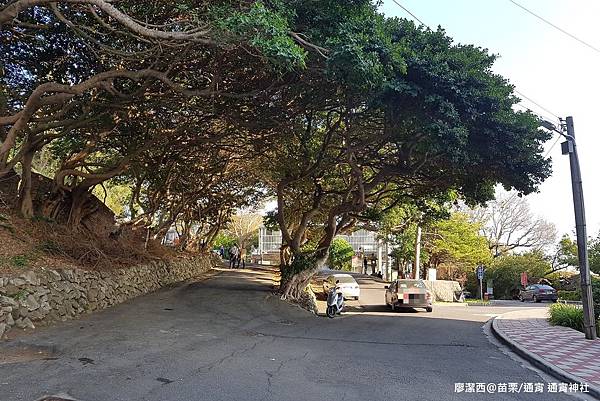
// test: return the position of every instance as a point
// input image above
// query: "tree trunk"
(25, 199)
(285, 256)
(78, 198)
(296, 276)
(184, 239)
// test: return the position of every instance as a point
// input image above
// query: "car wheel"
(356, 298)
(429, 309)
(554, 301)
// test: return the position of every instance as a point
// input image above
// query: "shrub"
(567, 316)
(225, 240)
(340, 254)
(19, 260)
(50, 247)
(569, 295)
(506, 272)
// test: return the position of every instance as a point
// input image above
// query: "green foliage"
(558, 279)
(253, 241)
(506, 272)
(340, 255)
(21, 295)
(594, 254)
(223, 239)
(569, 295)
(398, 225)
(265, 30)
(17, 261)
(567, 316)
(575, 295)
(457, 244)
(49, 246)
(566, 254)
(358, 114)
(596, 295)
(270, 220)
(20, 261)
(301, 262)
(115, 196)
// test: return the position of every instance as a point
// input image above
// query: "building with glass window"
(365, 244)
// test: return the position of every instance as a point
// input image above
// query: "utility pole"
(570, 147)
(418, 254)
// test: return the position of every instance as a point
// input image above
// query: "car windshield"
(411, 284)
(545, 287)
(345, 280)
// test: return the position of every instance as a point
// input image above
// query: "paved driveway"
(229, 338)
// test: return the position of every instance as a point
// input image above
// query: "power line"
(537, 104)
(555, 26)
(553, 145)
(542, 116)
(411, 14)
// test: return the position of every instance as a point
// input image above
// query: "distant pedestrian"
(373, 264)
(242, 258)
(222, 251)
(234, 254)
(365, 264)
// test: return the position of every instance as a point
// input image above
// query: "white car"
(348, 286)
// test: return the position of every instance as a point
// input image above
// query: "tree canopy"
(456, 247)
(202, 107)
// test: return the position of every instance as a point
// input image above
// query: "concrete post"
(589, 322)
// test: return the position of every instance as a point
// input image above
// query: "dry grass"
(38, 243)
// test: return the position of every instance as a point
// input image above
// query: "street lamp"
(570, 147)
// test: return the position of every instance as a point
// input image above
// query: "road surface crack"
(233, 354)
(272, 374)
(452, 344)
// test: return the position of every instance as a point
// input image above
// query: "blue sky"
(544, 64)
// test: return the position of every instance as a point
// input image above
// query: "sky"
(551, 68)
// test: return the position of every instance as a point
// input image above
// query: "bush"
(567, 316)
(225, 240)
(506, 272)
(569, 295)
(596, 289)
(20, 260)
(340, 255)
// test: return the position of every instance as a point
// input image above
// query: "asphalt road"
(229, 338)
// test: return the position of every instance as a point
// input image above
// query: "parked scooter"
(335, 301)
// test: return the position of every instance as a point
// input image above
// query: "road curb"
(442, 304)
(539, 362)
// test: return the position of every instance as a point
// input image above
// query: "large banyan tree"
(106, 86)
(388, 113)
(335, 109)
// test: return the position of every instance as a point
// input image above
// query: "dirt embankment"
(37, 242)
(99, 243)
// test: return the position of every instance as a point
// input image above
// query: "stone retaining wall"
(443, 290)
(42, 296)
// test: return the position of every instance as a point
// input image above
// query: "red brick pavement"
(557, 346)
